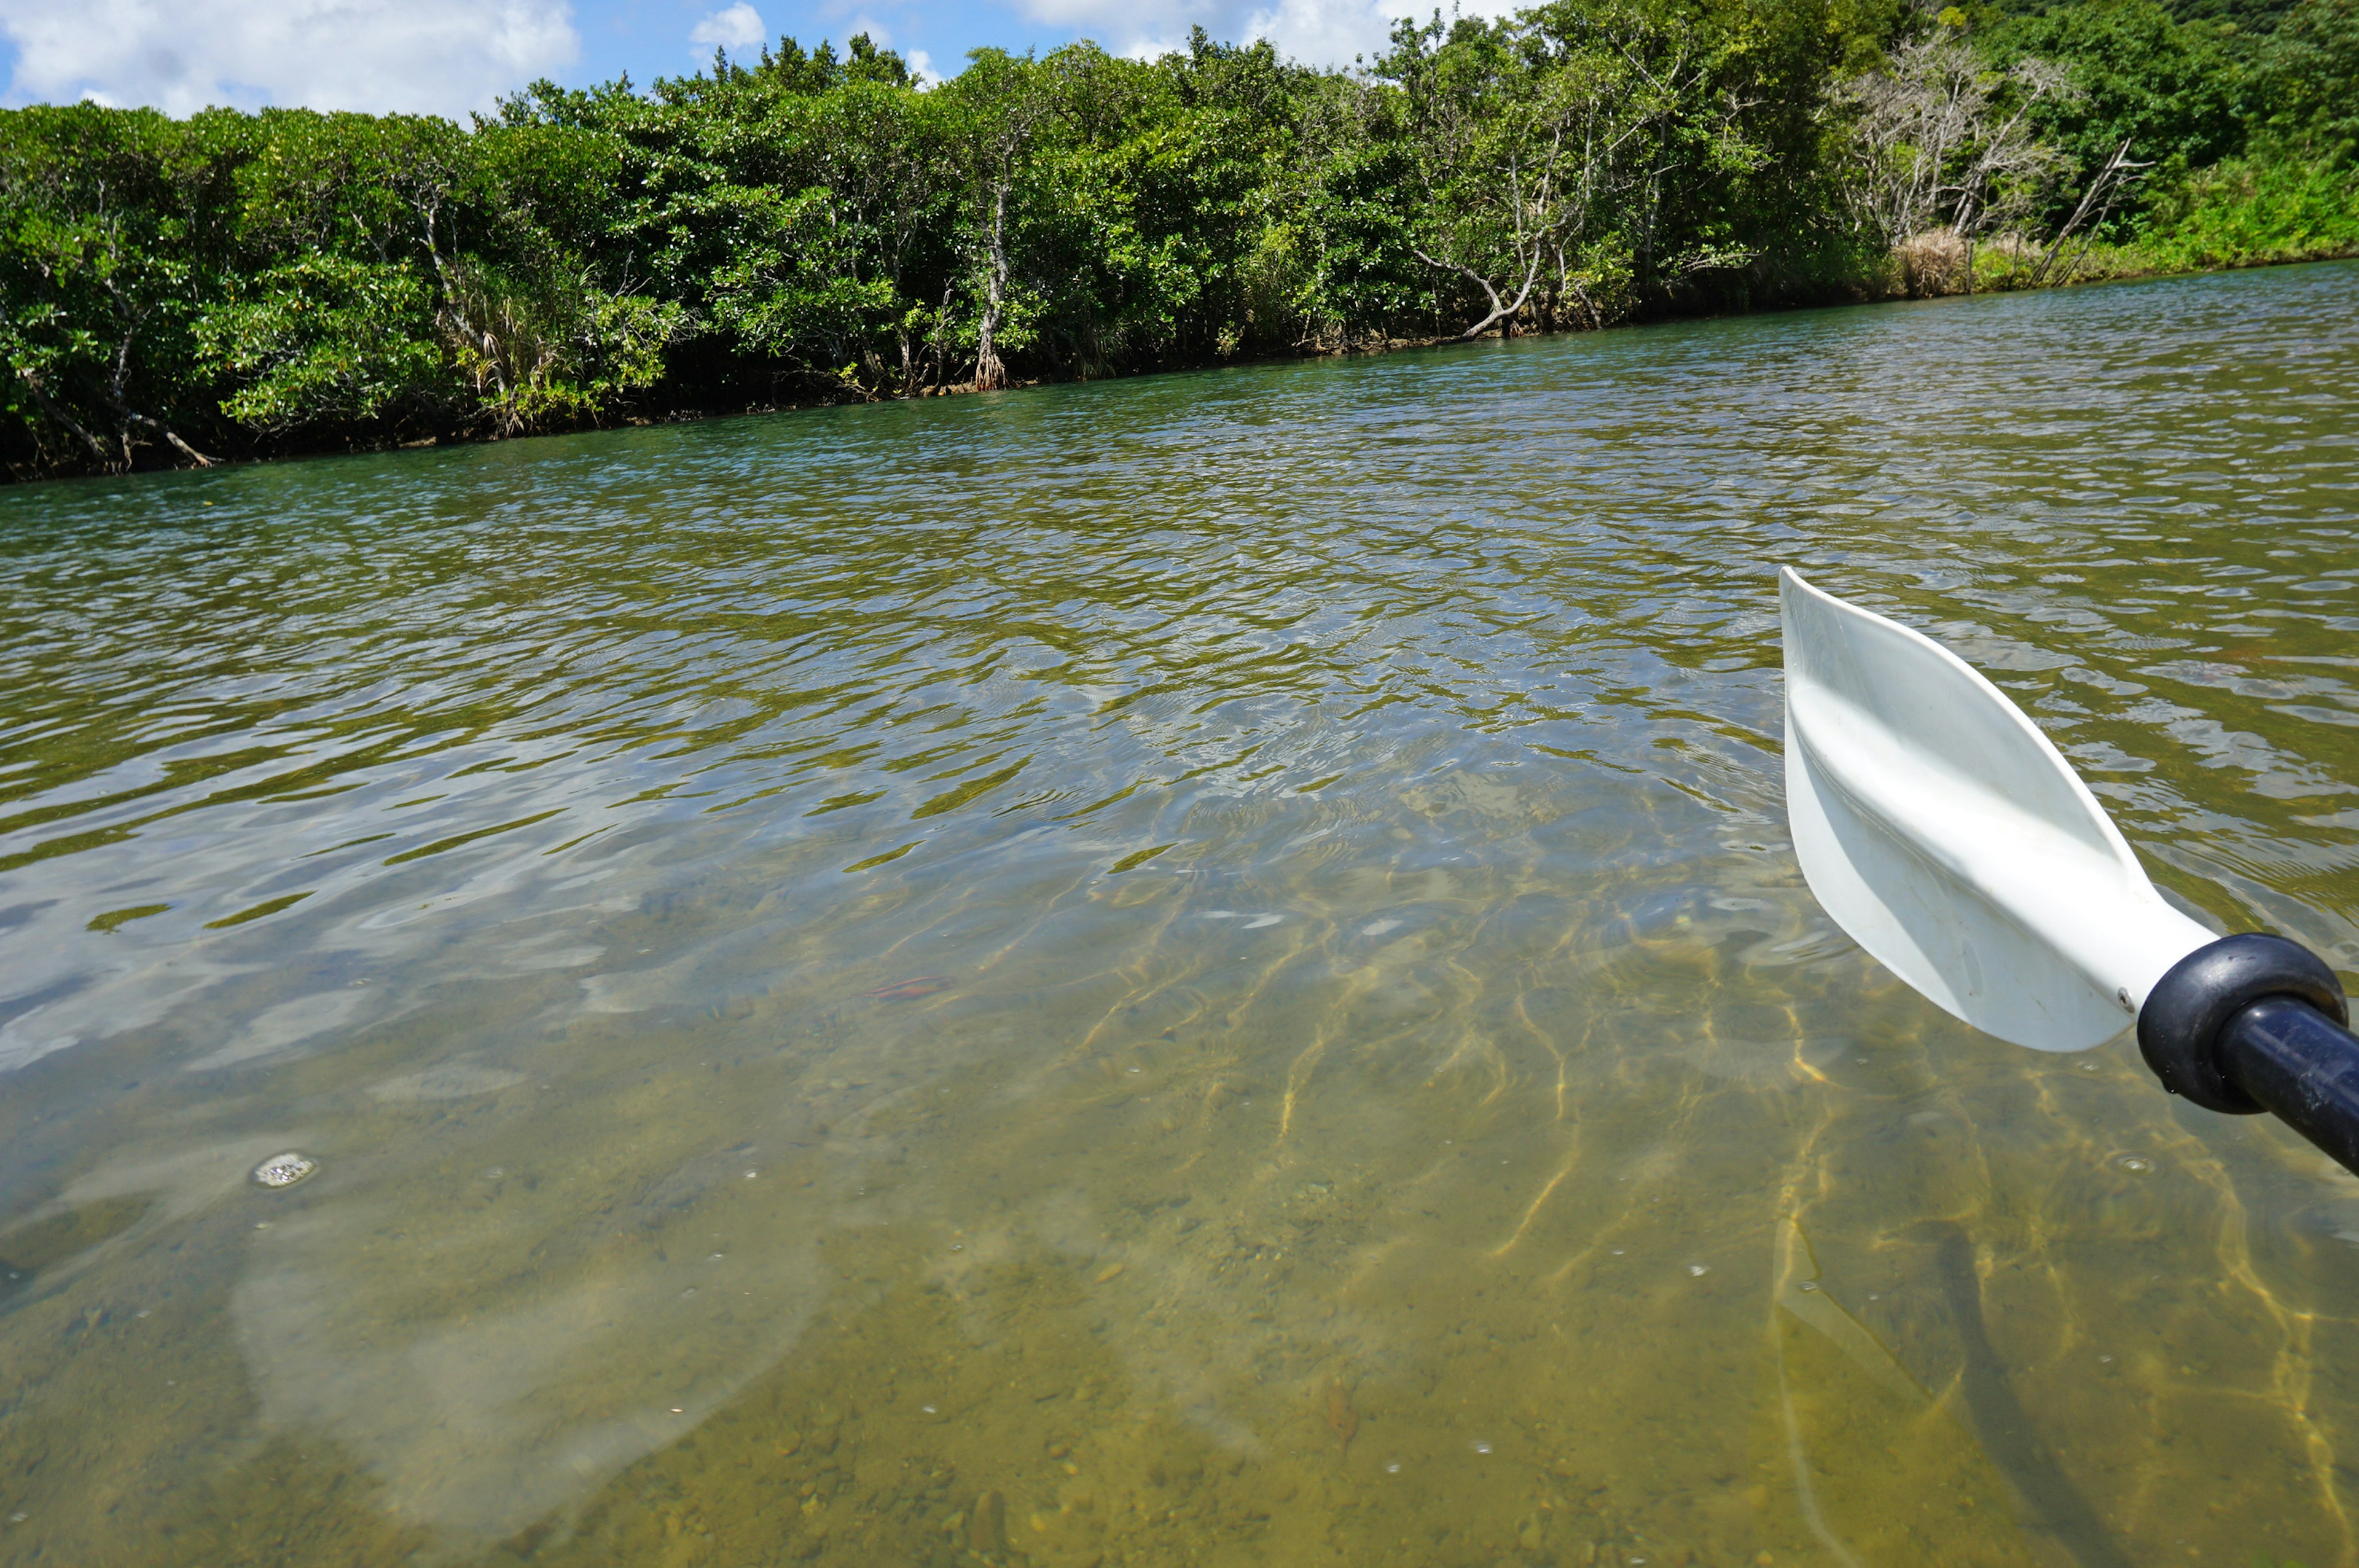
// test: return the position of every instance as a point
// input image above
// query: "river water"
(1202, 970)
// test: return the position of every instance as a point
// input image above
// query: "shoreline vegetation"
(807, 228)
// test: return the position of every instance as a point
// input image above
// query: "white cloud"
(738, 27)
(1324, 32)
(921, 66)
(415, 56)
(1316, 32)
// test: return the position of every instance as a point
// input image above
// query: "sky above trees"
(449, 57)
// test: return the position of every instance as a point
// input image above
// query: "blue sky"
(646, 37)
(450, 56)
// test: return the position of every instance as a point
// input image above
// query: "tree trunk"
(990, 375)
(1501, 310)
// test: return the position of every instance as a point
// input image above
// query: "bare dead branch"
(2104, 191)
(1939, 140)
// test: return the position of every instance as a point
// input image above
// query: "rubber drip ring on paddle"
(2179, 1028)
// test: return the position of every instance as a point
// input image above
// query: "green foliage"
(2305, 81)
(1358, 269)
(2170, 90)
(115, 226)
(2271, 208)
(814, 225)
(542, 347)
(324, 341)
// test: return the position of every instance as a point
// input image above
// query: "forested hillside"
(808, 226)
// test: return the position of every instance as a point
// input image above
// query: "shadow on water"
(2042, 1490)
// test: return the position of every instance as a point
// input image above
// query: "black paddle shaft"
(2252, 1024)
(2304, 1069)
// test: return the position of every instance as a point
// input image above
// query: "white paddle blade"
(1944, 832)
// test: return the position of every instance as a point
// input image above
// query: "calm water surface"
(1198, 971)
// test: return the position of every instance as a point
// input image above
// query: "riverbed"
(1202, 970)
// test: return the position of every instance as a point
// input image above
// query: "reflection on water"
(1193, 970)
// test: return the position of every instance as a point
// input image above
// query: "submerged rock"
(986, 1527)
(1341, 1419)
(285, 1169)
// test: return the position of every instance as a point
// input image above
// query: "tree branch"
(48, 405)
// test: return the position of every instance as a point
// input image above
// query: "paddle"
(1942, 828)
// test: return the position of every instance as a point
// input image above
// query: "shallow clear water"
(1201, 969)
